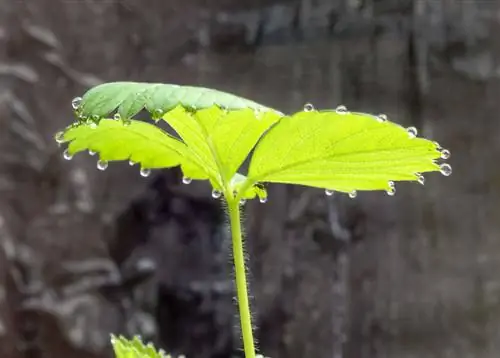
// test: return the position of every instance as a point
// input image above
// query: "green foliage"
(330, 149)
(134, 348)
(217, 131)
(128, 98)
(341, 151)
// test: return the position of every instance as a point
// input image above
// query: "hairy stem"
(241, 280)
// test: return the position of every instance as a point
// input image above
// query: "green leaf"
(129, 98)
(139, 142)
(341, 151)
(220, 139)
(134, 348)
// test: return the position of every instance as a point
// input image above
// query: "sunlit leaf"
(139, 142)
(341, 151)
(135, 348)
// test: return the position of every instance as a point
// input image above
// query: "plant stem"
(241, 280)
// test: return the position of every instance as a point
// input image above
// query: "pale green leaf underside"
(134, 348)
(342, 152)
(129, 98)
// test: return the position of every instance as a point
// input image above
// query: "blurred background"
(85, 253)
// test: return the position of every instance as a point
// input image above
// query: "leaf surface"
(129, 98)
(139, 142)
(134, 348)
(343, 152)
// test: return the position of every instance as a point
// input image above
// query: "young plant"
(335, 150)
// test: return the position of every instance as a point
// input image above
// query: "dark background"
(85, 253)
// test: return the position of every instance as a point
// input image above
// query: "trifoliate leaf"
(129, 98)
(134, 348)
(220, 139)
(341, 151)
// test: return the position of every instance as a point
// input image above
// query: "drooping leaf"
(129, 98)
(137, 141)
(135, 348)
(341, 151)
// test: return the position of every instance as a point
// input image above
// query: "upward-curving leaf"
(129, 98)
(341, 151)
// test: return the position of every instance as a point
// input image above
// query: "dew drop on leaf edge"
(382, 117)
(102, 165)
(92, 153)
(186, 180)
(341, 109)
(353, 194)
(392, 189)
(131, 163)
(67, 155)
(263, 200)
(145, 172)
(445, 154)
(117, 117)
(420, 178)
(445, 169)
(412, 132)
(76, 102)
(329, 192)
(308, 107)
(216, 194)
(59, 137)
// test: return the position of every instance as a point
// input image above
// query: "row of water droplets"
(445, 168)
(145, 172)
(101, 164)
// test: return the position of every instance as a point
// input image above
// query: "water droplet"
(445, 169)
(67, 155)
(145, 172)
(59, 137)
(392, 189)
(382, 117)
(308, 107)
(445, 154)
(117, 117)
(353, 194)
(341, 109)
(186, 180)
(76, 102)
(93, 125)
(131, 163)
(263, 199)
(438, 146)
(158, 113)
(412, 132)
(91, 152)
(420, 178)
(102, 164)
(329, 192)
(243, 201)
(216, 194)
